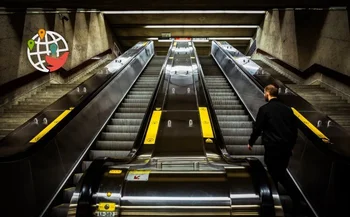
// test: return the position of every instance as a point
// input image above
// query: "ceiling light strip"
(201, 26)
(231, 38)
(186, 12)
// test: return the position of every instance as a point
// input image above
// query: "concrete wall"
(87, 35)
(303, 38)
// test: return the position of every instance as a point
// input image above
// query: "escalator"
(234, 120)
(117, 138)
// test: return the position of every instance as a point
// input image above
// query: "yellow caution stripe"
(51, 125)
(106, 207)
(207, 131)
(152, 130)
(310, 126)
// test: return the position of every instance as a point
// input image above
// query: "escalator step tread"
(118, 136)
(236, 131)
(112, 154)
(122, 129)
(243, 149)
(239, 140)
(129, 115)
(114, 145)
(236, 124)
(126, 121)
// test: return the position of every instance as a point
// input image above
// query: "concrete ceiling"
(172, 5)
(131, 28)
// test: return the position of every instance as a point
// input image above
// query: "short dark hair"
(272, 90)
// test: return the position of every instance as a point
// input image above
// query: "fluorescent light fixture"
(200, 26)
(200, 40)
(232, 38)
(165, 40)
(152, 39)
(186, 12)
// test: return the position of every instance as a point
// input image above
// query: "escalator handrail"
(91, 178)
(320, 144)
(55, 130)
(259, 176)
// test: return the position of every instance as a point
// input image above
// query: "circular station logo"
(47, 51)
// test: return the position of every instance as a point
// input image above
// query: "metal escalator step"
(136, 101)
(228, 107)
(114, 145)
(243, 150)
(85, 165)
(223, 97)
(126, 121)
(118, 136)
(129, 115)
(221, 94)
(94, 154)
(122, 129)
(233, 117)
(143, 89)
(239, 140)
(236, 132)
(215, 90)
(139, 92)
(219, 87)
(226, 102)
(67, 194)
(76, 178)
(134, 105)
(236, 124)
(144, 96)
(230, 112)
(132, 110)
(60, 210)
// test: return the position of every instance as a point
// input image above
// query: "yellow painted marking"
(139, 172)
(115, 172)
(152, 130)
(106, 207)
(207, 131)
(209, 141)
(310, 126)
(51, 125)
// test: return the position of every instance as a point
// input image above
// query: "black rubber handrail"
(258, 172)
(91, 178)
(49, 136)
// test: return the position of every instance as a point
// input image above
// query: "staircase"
(334, 106)
(322, 99)
(21, 111)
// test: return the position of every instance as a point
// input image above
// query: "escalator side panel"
(251, 96)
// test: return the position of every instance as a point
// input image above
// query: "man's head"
(270, 92)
